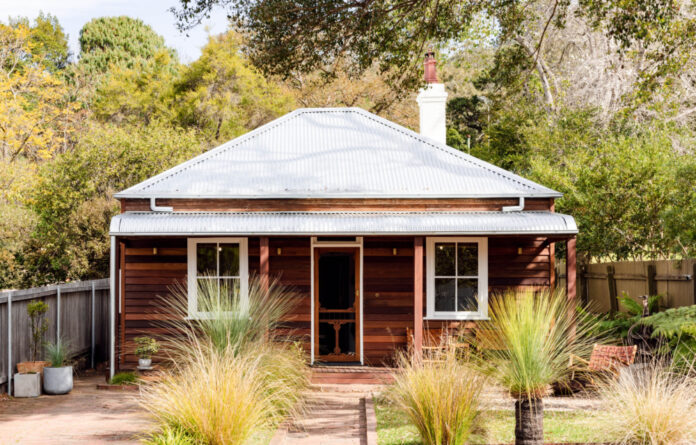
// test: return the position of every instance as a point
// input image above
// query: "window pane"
(229, 260)
(207, 294)
(467, 259)
(444, 259)
(444, 294)
(206, 259)
(467, 294)
(229, 288)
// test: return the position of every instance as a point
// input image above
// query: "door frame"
(358, 243)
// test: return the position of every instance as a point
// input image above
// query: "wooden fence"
(600, 284)
(77, 312)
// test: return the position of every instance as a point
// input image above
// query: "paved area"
(334, 416)
(85, 416)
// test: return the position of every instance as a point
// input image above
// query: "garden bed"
(394, 428)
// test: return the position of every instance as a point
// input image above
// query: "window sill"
(456, 318)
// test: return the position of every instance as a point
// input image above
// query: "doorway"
(337, 304)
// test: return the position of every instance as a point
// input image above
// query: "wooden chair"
(435, 348)
(607, 359)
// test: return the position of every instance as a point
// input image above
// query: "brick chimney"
(432, 101)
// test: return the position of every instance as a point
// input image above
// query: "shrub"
(652, 406)
(527, 346)
(229, 378)
(442, 399)
(146, 347)
(123, 378)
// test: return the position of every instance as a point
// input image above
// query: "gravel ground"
(85, 416)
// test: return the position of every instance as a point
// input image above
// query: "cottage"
(380, 229)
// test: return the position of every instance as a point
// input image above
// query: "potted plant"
(36, 310)
(58, 376)
(147, 346)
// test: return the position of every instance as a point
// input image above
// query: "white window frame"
(482, 313)
(192, 244)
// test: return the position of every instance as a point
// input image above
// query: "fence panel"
(673, 279)
(75, 322)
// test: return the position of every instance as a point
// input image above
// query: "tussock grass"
(442, 399)
(230, 376)
(653, 405)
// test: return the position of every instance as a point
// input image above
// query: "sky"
(73, 14)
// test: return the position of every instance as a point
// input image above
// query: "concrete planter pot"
(144, 363)
(27, 385)
(58, 380)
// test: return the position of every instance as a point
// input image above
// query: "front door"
(337, 304)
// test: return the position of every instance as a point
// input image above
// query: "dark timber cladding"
(151, 266)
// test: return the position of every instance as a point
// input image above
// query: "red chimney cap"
(430, 67)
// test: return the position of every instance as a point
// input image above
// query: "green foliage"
(146, 347)
(223, 95)
(678, 327)
(122, 41)
(73, 199)
(170, 435)
(48, 41)
(230, 322)
(622, 185)
(58, 353)
(529, 342)
(123, 378)
(36, 309)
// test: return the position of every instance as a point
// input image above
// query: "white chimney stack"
(432, 101)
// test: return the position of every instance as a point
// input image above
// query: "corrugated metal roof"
(342, 223)
(334, 153)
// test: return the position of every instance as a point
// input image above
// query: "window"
(218, 262)
(457, 278)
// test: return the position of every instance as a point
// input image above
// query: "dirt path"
(85, 416)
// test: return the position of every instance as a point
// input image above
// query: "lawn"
(393, 428)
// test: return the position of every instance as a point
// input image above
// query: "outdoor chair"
(436, 348)
(606, 360)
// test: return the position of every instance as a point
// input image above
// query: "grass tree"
(527, 346)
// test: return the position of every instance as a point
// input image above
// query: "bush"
(147, 346)
(652, 406)
(123, 378)
(229, 377)
(442, 399)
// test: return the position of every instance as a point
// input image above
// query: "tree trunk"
(529, 422)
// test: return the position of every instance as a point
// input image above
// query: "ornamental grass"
(229, 376)
(651, 405)
(441, 398)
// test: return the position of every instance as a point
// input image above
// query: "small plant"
(58, 353)
(442, 399)
(651, 406)
(36, 310)
(122, 378)
(146, 347)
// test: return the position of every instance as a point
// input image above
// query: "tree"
(290, 35)
(73, 198)
(223, 95)
(47, 40)
(119, 41)
(36, 116)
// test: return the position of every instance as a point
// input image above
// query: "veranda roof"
(341, 223)
(335, 153)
